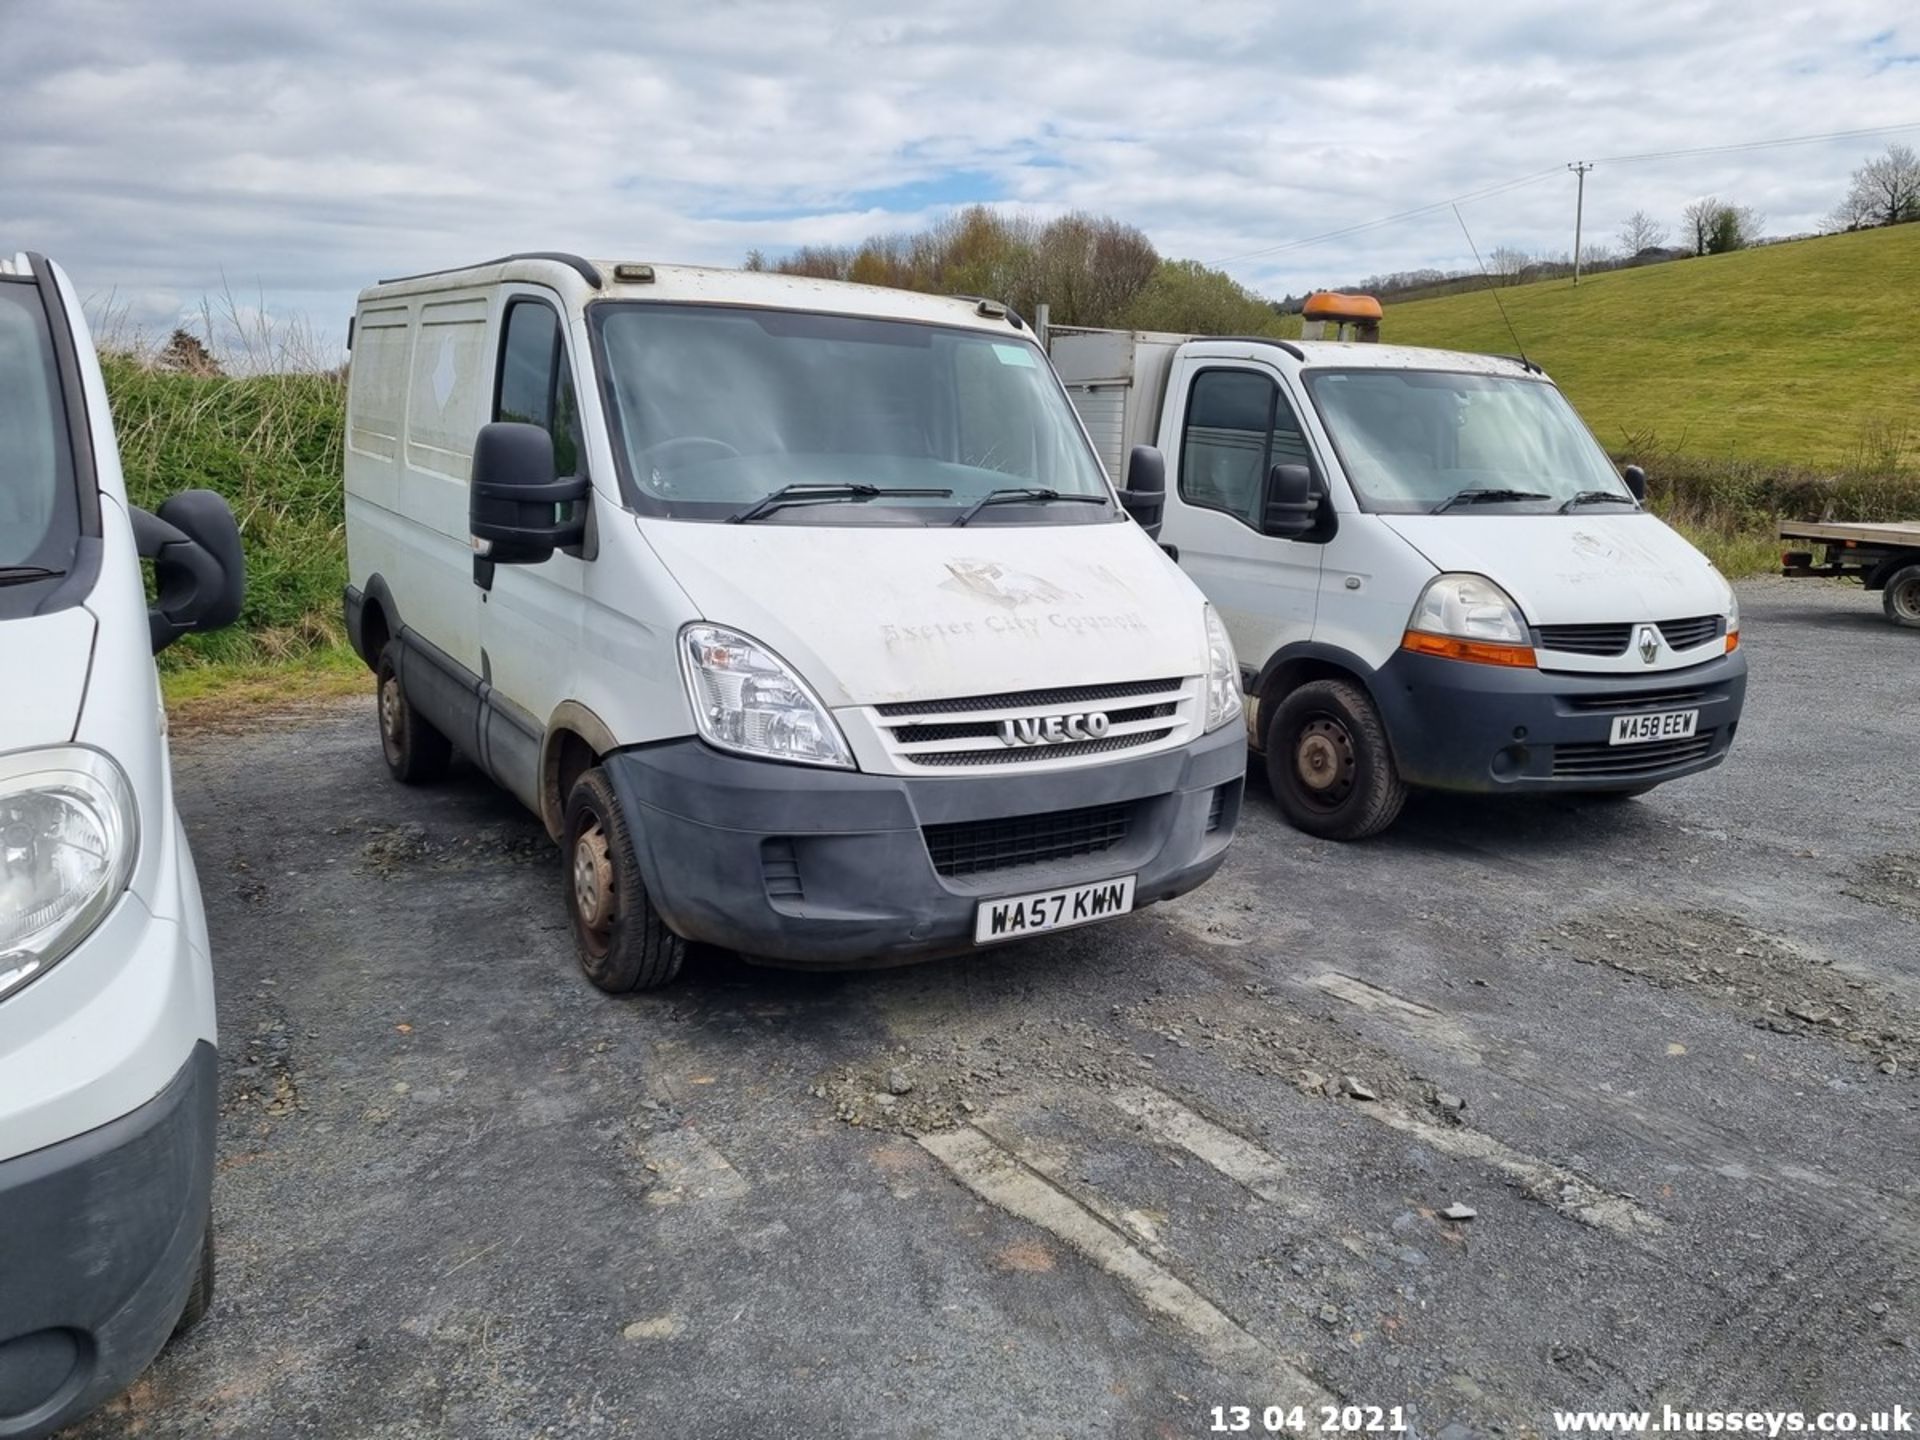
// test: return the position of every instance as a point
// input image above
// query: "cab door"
(1234, 422)
(531, 615)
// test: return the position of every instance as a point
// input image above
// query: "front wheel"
(1329, 764)
(624, 944)
(1902, 597)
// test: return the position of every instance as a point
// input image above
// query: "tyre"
(1329, 764)
(624, 944)
(200, 1293)
(415, 752)
(1901, 598)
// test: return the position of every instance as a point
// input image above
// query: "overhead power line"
(1518, 181)
(1759, 144)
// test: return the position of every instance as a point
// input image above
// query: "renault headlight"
(1468, 617)
(1733, 620)
(67, 840)
(747, 699)
(1223, 674)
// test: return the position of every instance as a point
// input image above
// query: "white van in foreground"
(107, 1066)
(1431, 571)
(800, 612)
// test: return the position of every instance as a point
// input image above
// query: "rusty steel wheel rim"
(390, 703)
(593, 893)
(1324, 762)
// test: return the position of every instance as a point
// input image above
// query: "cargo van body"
(800, 612)
(108, 1074)
(1430, 571)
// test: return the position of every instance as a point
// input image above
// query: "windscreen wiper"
(23, 574)
(1014, 495)
(1485, 497)
(801, 493)
(1595, 497)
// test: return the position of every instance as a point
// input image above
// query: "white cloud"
(164, 151)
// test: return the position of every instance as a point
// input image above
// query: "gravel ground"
(1522, 1106)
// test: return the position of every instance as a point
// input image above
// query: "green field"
(1805, 353)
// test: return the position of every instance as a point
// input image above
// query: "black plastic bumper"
(832, 868)
(98, 1248)
(1461, 726)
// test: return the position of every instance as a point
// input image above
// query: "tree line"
(1088, 269)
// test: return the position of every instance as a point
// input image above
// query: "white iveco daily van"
(107, 1066)
(1432, 572)
(801, 612)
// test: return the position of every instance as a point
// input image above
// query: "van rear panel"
(1116, 379)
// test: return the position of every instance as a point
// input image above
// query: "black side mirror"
(1145, 495)
(1288, 506)
(1636, 479)
(516, 499)
(199, 568)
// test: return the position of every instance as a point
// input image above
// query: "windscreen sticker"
(1014, 355)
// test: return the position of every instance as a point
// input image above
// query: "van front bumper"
(98, 1251)
(816, 867)
(1461, 726)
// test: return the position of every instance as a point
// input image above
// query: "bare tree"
(1885, 190)
(1641, 232)
(1698, 220)
(1508, 264)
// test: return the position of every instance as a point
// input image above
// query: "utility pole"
(1579, 168)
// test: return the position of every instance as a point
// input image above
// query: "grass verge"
(215, 694)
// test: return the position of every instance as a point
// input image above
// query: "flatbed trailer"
(1882, 556)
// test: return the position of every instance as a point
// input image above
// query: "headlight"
(1468, 617)
(67, 839)
(1223, 674)
(746, 698)
(1733, 620)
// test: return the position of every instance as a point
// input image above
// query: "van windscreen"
(1415, 441)
(714, 408)
(38, 506)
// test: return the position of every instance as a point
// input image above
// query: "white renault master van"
(107, 1066)
(1432, 572)
(801, 612)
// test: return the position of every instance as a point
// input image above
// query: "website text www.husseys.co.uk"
(1770, 1423)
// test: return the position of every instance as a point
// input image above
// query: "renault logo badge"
(1649, 644)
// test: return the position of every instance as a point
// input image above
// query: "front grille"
(1020, 699)
(1586, 639)
(1636, 700)
(976, 846)
(1613, 639)
(990, 729)
(1017, 754)
(1627, 762)
(1685, 634)
(965, 733)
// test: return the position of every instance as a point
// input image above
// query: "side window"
(536, 383)
(1238, 426)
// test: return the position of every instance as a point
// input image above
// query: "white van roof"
(1356, 354)
(581, 280)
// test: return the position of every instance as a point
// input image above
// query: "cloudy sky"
(293, 153)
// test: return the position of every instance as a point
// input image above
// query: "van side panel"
(420, 385)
